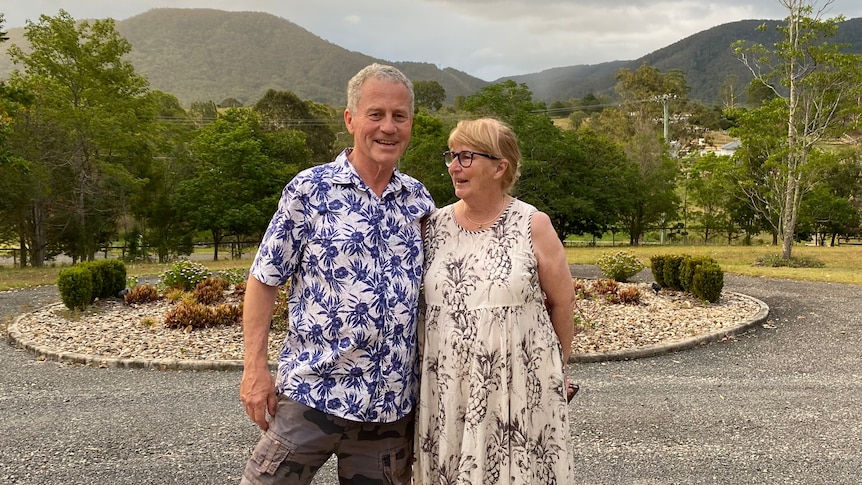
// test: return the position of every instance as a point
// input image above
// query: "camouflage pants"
(300, 439)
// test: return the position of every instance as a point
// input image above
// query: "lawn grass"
(12, 278)
(843, 264)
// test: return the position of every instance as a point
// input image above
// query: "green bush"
(76, 287)
(688, 267)
(671, 271)
(184, 275)
(114, 277)
(707, 282)
(109, 277)
(619, 266)
(657, 268)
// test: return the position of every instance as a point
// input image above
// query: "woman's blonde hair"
(491, 136)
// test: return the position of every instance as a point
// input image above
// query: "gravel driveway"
(778, 404)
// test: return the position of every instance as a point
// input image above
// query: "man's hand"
(257, 393)
(257, 389)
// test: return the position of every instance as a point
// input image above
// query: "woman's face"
(481, 177)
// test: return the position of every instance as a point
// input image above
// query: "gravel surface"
(777, 404)
(121, 334)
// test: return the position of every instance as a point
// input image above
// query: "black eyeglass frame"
(449, 156)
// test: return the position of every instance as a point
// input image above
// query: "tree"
(89, 125)
(816, 86)
(284, 110)
(650, 181)
(240, 171)
(576, 178)
(424, 157)
(429, 95)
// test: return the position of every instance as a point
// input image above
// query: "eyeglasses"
(465, 157)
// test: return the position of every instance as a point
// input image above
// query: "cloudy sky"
(488, 39)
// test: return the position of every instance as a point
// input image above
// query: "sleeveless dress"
(492, 407)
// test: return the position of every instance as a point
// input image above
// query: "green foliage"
(657, 268)
(185, 275)
(234, 276)
(109, 277)
(671, 271)
(688, 269)
(707, 282)
(85, 134)
(429, 94)
(619, 266)
(76, 287)
(778, 261)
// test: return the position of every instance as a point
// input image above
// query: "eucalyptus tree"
(634, 125)
(816, 86)
(90, 122)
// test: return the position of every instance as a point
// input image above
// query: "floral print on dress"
(492, 408)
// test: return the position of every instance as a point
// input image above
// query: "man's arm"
(257, 390)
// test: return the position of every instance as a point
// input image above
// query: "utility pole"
(665, 101)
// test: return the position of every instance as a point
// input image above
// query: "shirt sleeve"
(284, 239)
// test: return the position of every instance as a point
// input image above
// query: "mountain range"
(213, 55)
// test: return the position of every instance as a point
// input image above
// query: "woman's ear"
(502, 166)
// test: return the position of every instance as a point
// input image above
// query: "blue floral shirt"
(354, 263)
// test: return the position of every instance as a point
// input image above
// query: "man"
(346, 236)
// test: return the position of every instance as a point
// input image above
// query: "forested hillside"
(211, 55)
(707, 58)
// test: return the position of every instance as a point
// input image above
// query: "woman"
(498, 326)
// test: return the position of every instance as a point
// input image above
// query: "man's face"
(381, 124)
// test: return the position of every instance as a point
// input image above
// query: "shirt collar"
(345, 174)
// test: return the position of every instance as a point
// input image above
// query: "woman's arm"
(555, 279)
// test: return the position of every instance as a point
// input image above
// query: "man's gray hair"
(376, 71)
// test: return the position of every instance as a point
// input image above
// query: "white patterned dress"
(492, 407)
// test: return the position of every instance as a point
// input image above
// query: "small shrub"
(778, 261)
(630, 295)
(688, 267)
(113, 273)
(76, 287)
(671, 271)
(210, 290)
(142, 294)
(707, 282)
(619, 266)
(582, 289)
(184, 315)
(227, 315)
(174, 294)
(657, 268)
(605, 287)
(234, 276)
(97, 277)
(185, 274)
(239, 289)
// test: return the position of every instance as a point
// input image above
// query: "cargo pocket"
(270, 452)
(396, 464)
